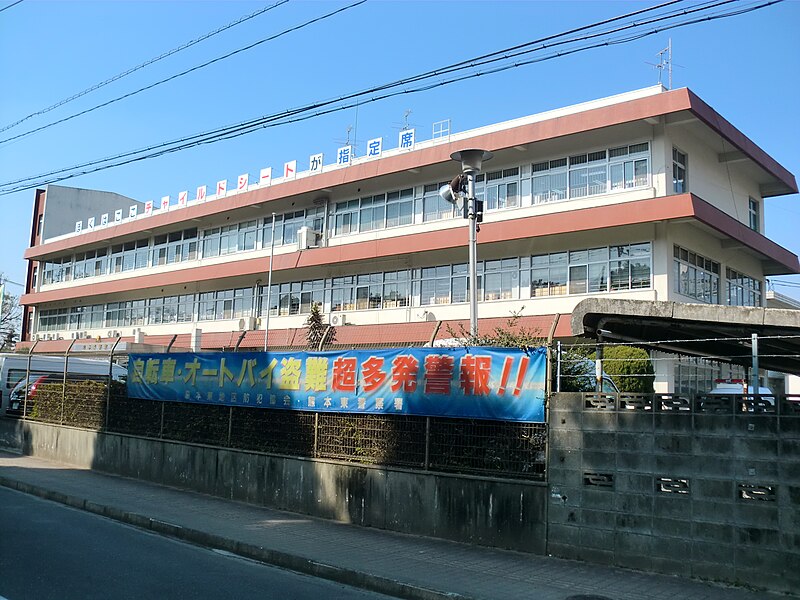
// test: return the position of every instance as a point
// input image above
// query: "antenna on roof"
(405, 125)
(347, 141)
(665, 62)
(405, 118)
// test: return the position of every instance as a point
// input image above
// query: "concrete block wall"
(675, 489)
(479, 510)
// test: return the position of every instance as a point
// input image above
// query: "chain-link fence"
(468, 446)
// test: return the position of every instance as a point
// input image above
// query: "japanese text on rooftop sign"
(482, 383)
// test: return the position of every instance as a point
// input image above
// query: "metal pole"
(28, 380)
(110, 379)
(754, 379)
(558, 367)
(473, 256)
(598, 365)
(269, 283)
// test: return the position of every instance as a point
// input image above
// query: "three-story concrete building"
(647, 195)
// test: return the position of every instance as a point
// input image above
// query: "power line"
(186, 72)
(485, 59)
(119, 76)
(10, 5)
(294, 115)
(282, 118)
(470, 63)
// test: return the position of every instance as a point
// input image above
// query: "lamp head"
(446, 192)
(471, 159)
(450, 191)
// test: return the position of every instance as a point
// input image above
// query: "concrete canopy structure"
(650, 195)
(718, 332)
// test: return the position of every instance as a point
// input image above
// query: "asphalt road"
(52, 551)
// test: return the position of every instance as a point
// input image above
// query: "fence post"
(558, 366)
(755, 381)
(161, 426)
(316, 434)
(110, 376)
(28, 380)
(426, 465)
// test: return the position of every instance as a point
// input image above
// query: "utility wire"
(297, 114)
(471, 63)
(186, 72)
(149, 62)
(10, 5)
(241, 129)
(468, 63)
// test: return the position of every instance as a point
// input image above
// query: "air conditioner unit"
(247, 323)
(337, 319)
(307, 238)
(74, 335)
(113, 333)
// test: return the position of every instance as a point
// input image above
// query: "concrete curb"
(284, 560)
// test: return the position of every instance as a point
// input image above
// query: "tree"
(509, 335)
(10, 319)
(630, 368)
(316, 330)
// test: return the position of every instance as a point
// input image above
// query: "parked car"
(16, 399)
(15, 367)
(762, 400)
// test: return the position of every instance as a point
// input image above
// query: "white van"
(14, 367)
(764, 399)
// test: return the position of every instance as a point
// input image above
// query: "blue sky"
(742, 66)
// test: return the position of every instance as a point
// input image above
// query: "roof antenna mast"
(665, 62)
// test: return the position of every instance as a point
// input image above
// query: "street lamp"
(471, 162)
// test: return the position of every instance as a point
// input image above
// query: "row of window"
(565, 178)
(698, 277)
(574, 272)
(576, 176)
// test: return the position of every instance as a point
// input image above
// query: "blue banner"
(482, 383)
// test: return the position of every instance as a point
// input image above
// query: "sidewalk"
(394, 564)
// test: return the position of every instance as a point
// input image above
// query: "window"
(742, 289)
(628, 166)
(498, 189)
(369, 291)
(550, 181)
(373, 213)
(342, 293)
(434, 284)
(755, 215)
(591, 270)
(549, 274)
(679, 164)
(396, 289)
(695, 276)
(346, 217)
(400, 208)
(500, 279)
(591, 173)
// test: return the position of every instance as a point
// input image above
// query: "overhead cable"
(185, 72)
(303, 113)
(146, 63)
